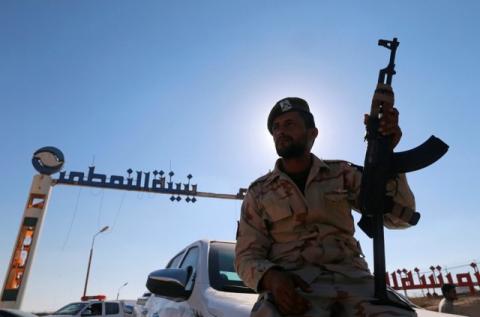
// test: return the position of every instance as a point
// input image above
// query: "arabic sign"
(49, 160)
(154, 182)
(408, 280)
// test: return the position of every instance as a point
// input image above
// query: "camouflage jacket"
(279, 226)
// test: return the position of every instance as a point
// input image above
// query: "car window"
(173, 264)
(96, 309)
(128, 309)
(190, 259)
(221, 270)
(111, 308)
(70, 309)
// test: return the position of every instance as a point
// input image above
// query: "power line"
(100, 208)
(73, 219)
(118, 211)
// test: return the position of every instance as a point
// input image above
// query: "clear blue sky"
(147, 84)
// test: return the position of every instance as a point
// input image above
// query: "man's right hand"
(282, 286)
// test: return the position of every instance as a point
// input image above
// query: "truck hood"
(428, 313)
(227, 304)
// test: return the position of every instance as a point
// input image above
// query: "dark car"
(6, 312)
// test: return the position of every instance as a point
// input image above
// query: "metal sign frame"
(50, 160)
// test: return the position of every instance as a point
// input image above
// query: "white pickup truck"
(201, 281)
(95, 308)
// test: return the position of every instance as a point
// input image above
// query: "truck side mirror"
(170, 283)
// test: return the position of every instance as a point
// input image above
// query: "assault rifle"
(381, 165)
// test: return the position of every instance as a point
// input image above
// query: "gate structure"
(49, 160)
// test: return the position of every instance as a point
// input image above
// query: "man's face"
(292, 138)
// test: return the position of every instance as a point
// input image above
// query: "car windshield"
(70, 309)
(223, 276)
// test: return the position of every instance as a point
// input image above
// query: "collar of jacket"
(317, 165)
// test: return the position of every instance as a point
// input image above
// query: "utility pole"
(90, 259)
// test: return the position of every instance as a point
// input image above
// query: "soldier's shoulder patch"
(334, 161)
(342, 163)
(357, 167)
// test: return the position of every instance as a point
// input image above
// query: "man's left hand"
(389, 125)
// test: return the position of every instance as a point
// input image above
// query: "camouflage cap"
(286, 105)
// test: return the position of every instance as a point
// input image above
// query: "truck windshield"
(70, 309)
(221, 271)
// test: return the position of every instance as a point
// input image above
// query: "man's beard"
(293, 150)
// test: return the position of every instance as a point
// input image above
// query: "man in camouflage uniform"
(295, 241)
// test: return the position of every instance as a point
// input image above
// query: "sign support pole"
(24, 249)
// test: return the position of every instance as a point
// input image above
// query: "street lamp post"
(90, 258)
(124, 284)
